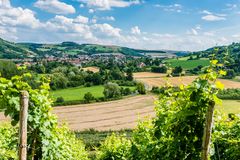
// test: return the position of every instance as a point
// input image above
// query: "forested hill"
(229, 55)
(24, 50)
(10, 50)
(233, 50)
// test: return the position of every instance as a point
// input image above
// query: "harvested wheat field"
(148, 75)
(93, 69)
(113, 115)
(156, 81)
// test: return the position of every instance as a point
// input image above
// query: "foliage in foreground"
(177, 130)
(70, 146)
(46, 140)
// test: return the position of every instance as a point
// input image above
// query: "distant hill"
(24, 50)
(233, 51)
(228, 55)
(11, 50)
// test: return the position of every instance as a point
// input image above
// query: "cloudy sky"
(147, 24)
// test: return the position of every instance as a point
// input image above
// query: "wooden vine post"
(24, 98)
(208, 131)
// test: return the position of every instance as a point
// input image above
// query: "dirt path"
(113, 115)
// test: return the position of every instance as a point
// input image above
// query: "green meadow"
(77, 93)
(188, 64)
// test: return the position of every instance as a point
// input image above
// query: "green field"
(188, 64)
(77, 93)
(230, 106)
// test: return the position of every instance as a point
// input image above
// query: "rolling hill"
(11, 50)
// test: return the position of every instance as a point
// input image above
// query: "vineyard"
(181, 127)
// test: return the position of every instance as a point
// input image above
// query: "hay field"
(116, 115)
(113, 115)
(161, 80)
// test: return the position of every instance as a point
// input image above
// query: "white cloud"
(231, 6)
(11, 16)
(135, 30)
(55, 6)
(206, 12)
(192, 32)
(209, 16)
(108, 4)
(81, 19)
(91, 11)
(109, 18)
(213, 18)
(236, 36)
(170, 8)
(198, 27)
(108, 30)
(81, 5)
(209, 34)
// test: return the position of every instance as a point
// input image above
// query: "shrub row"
(233, 94)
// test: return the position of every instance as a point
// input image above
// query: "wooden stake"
(207, 132)
(24, 98)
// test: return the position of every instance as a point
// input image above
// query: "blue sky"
(148, 24)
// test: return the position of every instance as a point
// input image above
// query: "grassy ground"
(77, 93)
(230, 106)
(188, 64)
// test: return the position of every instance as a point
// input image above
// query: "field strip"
(176, 81)
(95, 106)
(112, 115)
(115, 115)
(131, 106)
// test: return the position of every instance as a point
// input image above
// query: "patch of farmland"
(189, 64)
(148, 75)
(176, 81)
(93, 69)
(116, 115)
(113, 115)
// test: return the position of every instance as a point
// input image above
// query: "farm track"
(113, 115)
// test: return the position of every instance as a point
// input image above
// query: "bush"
(141, 88)
(125, 83)
(226, 139)
(177, 71)
(88, 97)
(8, 142)
(59, 100)
(73, 147)
(229, 94)
(111, 90)
(157, 69)
(114, 147)
(127, 91)
(88, 84)
(230, 74)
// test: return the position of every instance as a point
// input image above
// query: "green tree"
(8, 68)
(157, 69)
(88, 97)
(129, 76)
(177, 70)
(141, 88)
(111, 90)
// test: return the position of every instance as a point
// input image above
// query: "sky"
(187, 25)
